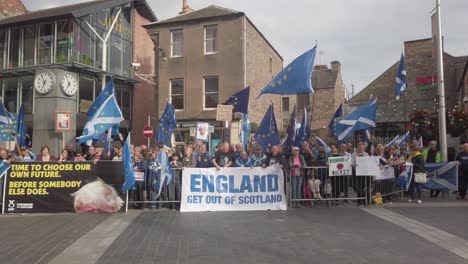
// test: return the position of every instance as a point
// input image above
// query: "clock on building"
(69, 84)
(43, 82)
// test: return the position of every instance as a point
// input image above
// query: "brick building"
(329, 93)
(421, 68)
(9, 8)
(58, 43)
(205, 56)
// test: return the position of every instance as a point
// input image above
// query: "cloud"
(366, 36)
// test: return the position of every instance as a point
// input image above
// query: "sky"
(365, 36)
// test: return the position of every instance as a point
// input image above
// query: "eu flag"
(128, 167)
(401, 83)
(240, 101)
(295, 78)
(167, 124)
(107, 116)
(362, 118)
(267, 133)
(21, 129)
(291, 131)
(105, 93)
(303, 133)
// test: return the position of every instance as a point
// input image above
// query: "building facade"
(329, 94)
(421, 93)
(205, 56)
(58, 44)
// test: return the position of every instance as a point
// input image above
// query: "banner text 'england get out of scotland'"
(233, 189)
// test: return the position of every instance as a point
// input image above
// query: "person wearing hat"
(28, 156)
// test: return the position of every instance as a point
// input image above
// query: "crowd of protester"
(306, 182)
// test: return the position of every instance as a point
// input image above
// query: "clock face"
(43, 82)
(68, 84)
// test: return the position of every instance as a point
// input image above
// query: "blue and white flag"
(245, 131)
(362, 118)
(420, 142)
(442, 176)
(324, 145)
(4, 167)
(294, 78)
(401, 82)
(5, 116)
(404, 138)
(101, 98)
(21, 129)
(167, 124)
(107, 116)
(291, 132)
(166, 174)
(393, 141)
(336, 117)
(303, 133)
(128, 167)
(267, 133)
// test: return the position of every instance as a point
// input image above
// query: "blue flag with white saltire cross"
(105, 93)
(362, 118)
(401, 82)
(294, 78)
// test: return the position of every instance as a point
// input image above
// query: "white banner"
(339, 166)
(367, 166)
(233, 189)
(386, 173)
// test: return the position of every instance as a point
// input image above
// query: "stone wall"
(9, 8)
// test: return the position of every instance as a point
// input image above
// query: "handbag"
(420, 177)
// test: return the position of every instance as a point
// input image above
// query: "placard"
(386, 173)
(367, 166)
(224, 112)
(62, 121)
(339, 166)
(202, 131)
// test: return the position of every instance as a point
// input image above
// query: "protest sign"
(233, 189)
(367, 166)
(47, 187)
(386, 173)
(224, 112)
(339, 166)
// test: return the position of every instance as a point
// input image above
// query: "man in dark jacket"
(274, 158)
(462, 157)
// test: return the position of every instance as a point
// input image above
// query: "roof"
(76, 10)
(323, 78)
(211, 11)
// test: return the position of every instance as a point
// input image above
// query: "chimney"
(185, 8)
(335, 66)
(9, 8)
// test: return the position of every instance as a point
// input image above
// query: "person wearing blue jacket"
(243, 160)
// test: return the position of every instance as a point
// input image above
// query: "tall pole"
(441, 88)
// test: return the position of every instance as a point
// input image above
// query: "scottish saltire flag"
(4, 167)
(367, 136)
(105, 93)
(240, 101)
(362, 118)
(404, 138)
(442, 176)
(128, 166)
(336, 117)
(291, 131)
(420, 142)
(5, 116)
(167, 124)
(324, 145)
(294, 78)
(401, 82)
(393, 142)
(245, 131)
(167, 174)
(107, 116)
(267, 133)
(404, 179)
(21, 129)
(303, 133)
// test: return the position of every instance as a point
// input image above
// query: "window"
(211, 36)
(86, 92)
(84, 42)
(29, 46)
(177, 43)
(44, 47)
(2, 49)
(177, 93)
(15, 35)
(11, 94)
(62, 42)
(126, 104)
(27, 93)
(211, 92)
(285, 103)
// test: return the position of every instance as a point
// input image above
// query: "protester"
(71, 148)
(90, 153)
(223, 158)
(296, 162)
(432, 155)
(65, 156)
(45, 156)
(361, 183)
(258, 158)
(151, 179)
(117, 154)
(189, 160)
(203, 158)
(462, 158)
(418, 167)
(28, 156)
(243, 160)
(100, 155)
(139, 165)
(274, 158)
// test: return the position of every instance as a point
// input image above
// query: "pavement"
(393, 233)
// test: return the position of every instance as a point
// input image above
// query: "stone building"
(205, 56)
(9, 8)
(329, 93)
(57, 43)
(421, 68)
